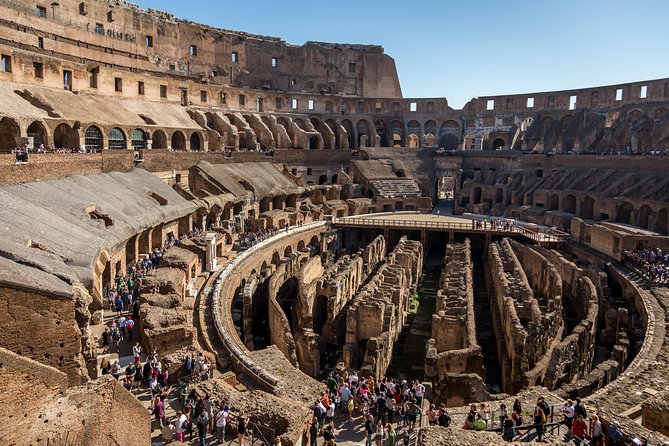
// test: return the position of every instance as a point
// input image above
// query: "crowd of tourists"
(501, 224)
(652, 263)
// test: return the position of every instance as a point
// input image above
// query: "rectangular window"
(352, 67)
(510, 104)
(223, 97)
(83, 8)
(39, 70)
(309, 171)
(310, 104)
(490, 105)
(163, 91)
(94, 78)
(140, 88)
(293, 104)
(214, 74)
(413, 106)
(172, 67)
(328, 106)
(619, 94)
(40, 42)
(278, 103)
(193, 50)
(203, 96)
(6, 64)
(110, 16)
(242, 100)
(643, 94)
(594, 98)
(572, 102)
(430, 106)
(260, 104)
(99, 28)
(149, 41)
(396, 107)
(361, 107)
(378, 106)
(40, 11)
(275, 63)
(530, 102)
(550, 102)
(235, 57)
(67, 80)
(118, 84)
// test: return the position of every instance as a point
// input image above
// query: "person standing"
(221, 422)
(180, 426)
(242, 426)
(202, 425)
(579, 430)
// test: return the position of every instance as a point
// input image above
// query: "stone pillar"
(217, 218)
(211, 251)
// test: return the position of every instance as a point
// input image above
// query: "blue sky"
(463, 49)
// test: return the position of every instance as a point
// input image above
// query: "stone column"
(211, 251)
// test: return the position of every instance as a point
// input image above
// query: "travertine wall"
(378, 312)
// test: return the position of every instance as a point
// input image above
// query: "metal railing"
(548, 236)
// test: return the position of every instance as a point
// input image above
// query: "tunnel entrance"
(286, 297)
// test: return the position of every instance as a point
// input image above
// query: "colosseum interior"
(287, 213)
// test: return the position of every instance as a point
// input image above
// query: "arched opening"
(286, 297)
(93, 139)
(313, 142)
(10, 133)
(348, 126)
(323, 179)
(397, 130)
(662, 221)
(644, 216)
(554, 202)
(498, 144)
(588, 208)
(37, 132)
(624, 213)
(65, 137)
(414, 128)
(569, 204)
(400, 174)
(138, 139)
(264, 204)
(380, 127)
(288, 251)
(319, 313)
(299, 122)
(117, 139)
(477, 195)
(334, 178)
(195, 142)
(178, 141)
(276, 258)
(300, 246)
(315, 245)
(363, 130)
(449, 135)
(159, 140)
(499, 195)
(430, 128)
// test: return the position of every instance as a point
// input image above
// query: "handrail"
(550, 235)
(227, 333)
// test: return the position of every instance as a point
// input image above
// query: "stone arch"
(276, 259)
(643, 216)
(159, 140)
(39, 134)
(624, 212)
(300, 246)
(633, 116)
(569, 204)
(288, 251)
(299, 122)
(93, 138)
(398, 132)
(65, 136)
(430, 127)
(195, 142)
(314, 142)
(316, 244)
(364, 130)
(333, 126)
(587, 208)
(323, 179)
(178, 140)
(658, 112)
(400, 173)
(10, 134)
(498, 144)
(117, 139)
(414, 128)
(382, 130)
(449, 135)
(138, 139)
(348, 126)
(553, 202)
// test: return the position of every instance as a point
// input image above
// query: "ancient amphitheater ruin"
(283, 214)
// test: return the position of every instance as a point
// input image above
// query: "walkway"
(450, 223)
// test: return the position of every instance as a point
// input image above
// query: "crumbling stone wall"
(453, 349)
(378, 312)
